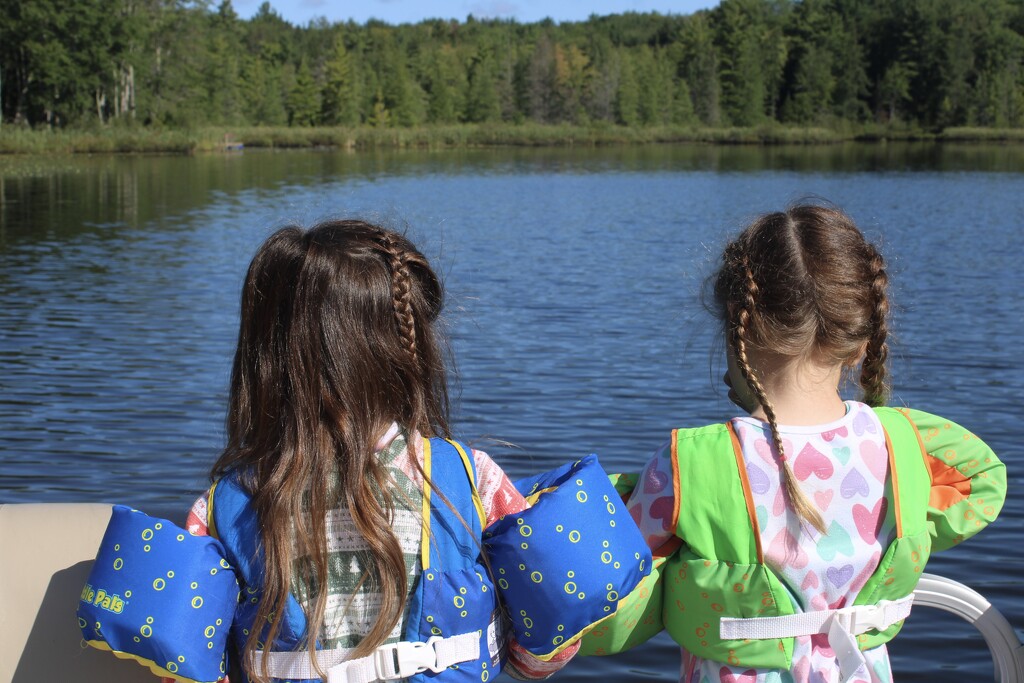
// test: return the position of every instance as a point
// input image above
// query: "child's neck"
(802, 392)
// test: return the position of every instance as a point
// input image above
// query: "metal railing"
(966, 603)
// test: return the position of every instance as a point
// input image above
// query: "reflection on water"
(574, 279)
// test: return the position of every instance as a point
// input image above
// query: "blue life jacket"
(167, 599)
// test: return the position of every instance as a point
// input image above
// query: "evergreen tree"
(339, 100)
(303, 99)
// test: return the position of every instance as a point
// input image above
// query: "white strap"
(856, 620)
(841, 625)
(386, 663)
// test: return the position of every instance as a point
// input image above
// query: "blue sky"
(410, 11)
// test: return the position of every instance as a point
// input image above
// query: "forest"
(175, 64)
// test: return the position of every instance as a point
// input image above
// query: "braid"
(873, 371)
(401, 292)
(741, 325)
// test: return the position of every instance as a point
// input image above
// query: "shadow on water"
(46, 197)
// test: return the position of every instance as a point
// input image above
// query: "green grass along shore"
(145, 140)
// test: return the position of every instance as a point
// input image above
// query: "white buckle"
(401, 660)
(862, 618)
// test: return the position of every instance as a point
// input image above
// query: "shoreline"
(26, 142)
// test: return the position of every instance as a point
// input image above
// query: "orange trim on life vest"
(895, 483)
(747, 493)
(675, 480)
(949, 485)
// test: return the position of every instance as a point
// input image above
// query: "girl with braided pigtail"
(789, 539)
(337, 424)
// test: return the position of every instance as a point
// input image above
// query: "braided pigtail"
(401, 292)
(741, 324)
(873, 376)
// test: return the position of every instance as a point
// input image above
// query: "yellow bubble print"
(118, 563)
(159, 584)
(197, 602)
(525, 530)
(570, 587)
(209, 631)
(147, 535)
(581, 496)
(536, 577)
(574, 536)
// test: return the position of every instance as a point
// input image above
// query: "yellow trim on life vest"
(425, 538)
(467, 463)
(148, 663)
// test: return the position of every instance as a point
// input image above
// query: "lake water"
(574, 281)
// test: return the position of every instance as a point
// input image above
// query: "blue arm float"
(160, 596)
(562, 563)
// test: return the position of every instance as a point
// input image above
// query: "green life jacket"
(720, 572)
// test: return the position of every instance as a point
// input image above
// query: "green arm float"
(968, 480)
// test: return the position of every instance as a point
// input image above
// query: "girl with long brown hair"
(806, 521)
(338, 395)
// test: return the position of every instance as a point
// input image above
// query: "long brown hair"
(337, 340)
(805, 282)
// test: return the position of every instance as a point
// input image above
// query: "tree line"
(930, 64)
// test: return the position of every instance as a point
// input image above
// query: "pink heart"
(810, 581)
(833, 433)
(664, 509)
(819, 643)
(766, 453)
(869, 522)
(802, 669)
(726, 676)
(784, 550)
(865, 573)
(823, 499)
(654, 480)
(812, 461)
(780, 502)
(876, 458)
